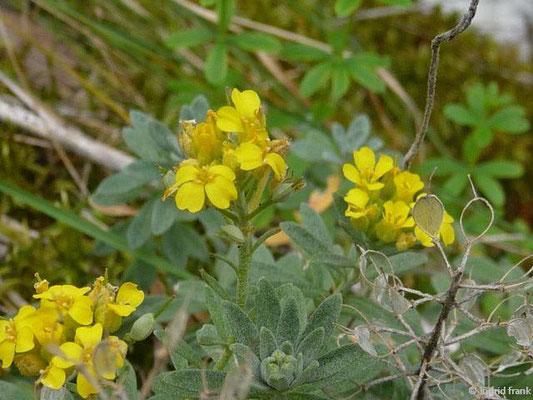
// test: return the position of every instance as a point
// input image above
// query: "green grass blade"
(69, 218)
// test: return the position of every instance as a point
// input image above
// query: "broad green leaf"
(343, 363)
(400, 263)
(214, 305)
(213, 284)
(312, 147)
(122, 186)
(71, 219)
(441, 166)
(325, 315)
(140, 141)
(340, 81)
(459, 114)
(268, 343)
(196, 110)
(289, 324)
(15, 391)
(362, 68)
(491, 188)
(344, 8)
(311, 345)
(256, 41)
(188, 383)
(242, 327)
(456, 183)
(303, 238)
(164, 213)
(313, 222)
(501, 169)
(267, 306)
(216, 64)
(510, 119)
(471, 150)
(189, 38)
(127, 379)
(139, 230)
(301, 52)
(315, 78)
(332, 260)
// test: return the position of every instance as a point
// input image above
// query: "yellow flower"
(251, 156)
(446, 232)
(46, 327)
(127, 300)
(69, 300)
(80, 354)
(245, 117)
(52, 377)
(202, 141)
(366, 173)
(16, 335)
(407, 185)
(359, 209)
(395, 218)
(195, 182)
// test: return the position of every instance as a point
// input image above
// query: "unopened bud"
(233, 233)
(142, 327)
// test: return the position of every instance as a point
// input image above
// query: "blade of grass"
(69, 218)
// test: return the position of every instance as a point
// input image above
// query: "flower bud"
(142, 327)
(29, 364)
(233, 233)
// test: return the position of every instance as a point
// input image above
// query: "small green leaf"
(127, 379)
(510, 119)
(362, 68)
(139, 230)
(491, 188)
(12, 391)
(501, 169)
(313, 222)
(242, 327)
(344, 8)
(456, 183)
(216, 65)
(268, 343)
(289, 324)
(301, 52)
(267, 306)
(188, 383)
(325, 315)
(315, 78)
(459, 114)
(164, 214)
(188, 38)
(311, 345)
(256, 41)
(214, 305)
(213, 284)
(225, 11)
(340, 81)
(303, 238)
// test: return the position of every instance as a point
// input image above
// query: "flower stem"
(223, 360)
(243, 270)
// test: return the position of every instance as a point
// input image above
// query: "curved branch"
(448, 36)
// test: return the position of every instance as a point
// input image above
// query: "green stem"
(222, 361)
(243, 270)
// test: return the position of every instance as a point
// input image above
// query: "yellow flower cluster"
(381, 202)
(231, 140)
(70, 331)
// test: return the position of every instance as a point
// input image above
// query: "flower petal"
(357, 197)
(85, 389)
(364, 159)
(249, 156)
(190, 197)
(351, 173)
(229, 120)
(247, 102)
(186, 173)
(277, 163)
(447, 234)
(53, 377)
(129, 294)
(384, 165)
(82, 310)
(90, 335)
(223, 171)
(72, 354)
(24, 339)
(220, 192)
(122, 310)
(7, 352)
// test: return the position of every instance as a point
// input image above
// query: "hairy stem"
(243, 270)
(432, 79)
